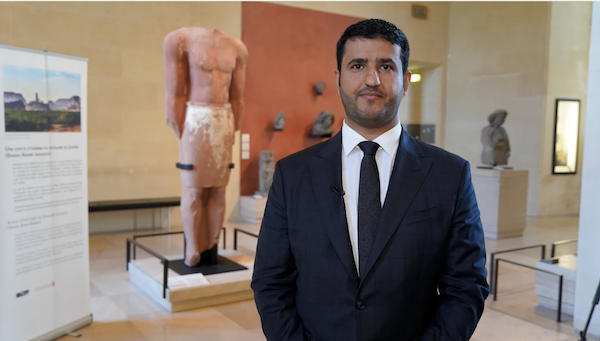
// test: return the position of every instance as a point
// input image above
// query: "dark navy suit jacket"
(425, 278)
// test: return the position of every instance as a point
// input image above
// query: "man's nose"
(372, 77)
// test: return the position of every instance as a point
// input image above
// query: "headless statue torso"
(204, 84)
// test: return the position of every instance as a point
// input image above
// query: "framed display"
(566, 136)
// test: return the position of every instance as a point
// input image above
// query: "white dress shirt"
(352, 157)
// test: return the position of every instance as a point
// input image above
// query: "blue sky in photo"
(49, 85)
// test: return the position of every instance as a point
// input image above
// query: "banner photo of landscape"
(44, 244)
(41, 100)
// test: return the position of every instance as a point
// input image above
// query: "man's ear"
(337, 81)
(407, 76)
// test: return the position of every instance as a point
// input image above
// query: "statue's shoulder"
(241, 47)
(175, 38)
(237, 44)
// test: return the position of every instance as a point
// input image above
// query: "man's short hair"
(375, 29)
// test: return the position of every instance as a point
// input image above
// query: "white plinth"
(147, 275)
(502, 199)
(546, 285)
(252, 208)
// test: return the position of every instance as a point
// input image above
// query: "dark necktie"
(369, 202)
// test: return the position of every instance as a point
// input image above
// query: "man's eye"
(357, 66)
(386, 67)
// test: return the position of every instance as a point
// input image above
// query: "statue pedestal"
(502, 199)
(252, 208)
(191, 290)
(546, 285)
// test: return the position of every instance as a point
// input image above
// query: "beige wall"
(132, 152)
(496, 59)
(428, 50)
(477, 56)
(428, 38)
(519, 57)
(567, 78)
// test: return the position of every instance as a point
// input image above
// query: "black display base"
(223, 265)
(318, 136)
(495, 167)
(209, 257)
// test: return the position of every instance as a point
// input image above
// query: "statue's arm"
(496, 135)
(236, 90)
(176, 81)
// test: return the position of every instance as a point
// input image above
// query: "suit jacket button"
(360, 305)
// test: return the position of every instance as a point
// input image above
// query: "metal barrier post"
(560, 290)
(128, 255)
(496, 280)
(492, 273)
(165, 277)
(235, 232)
(544, 251)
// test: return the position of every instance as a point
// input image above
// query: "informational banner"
(44, 257)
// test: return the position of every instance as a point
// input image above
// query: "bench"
(136, 204)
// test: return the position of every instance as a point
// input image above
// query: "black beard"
(387, 114)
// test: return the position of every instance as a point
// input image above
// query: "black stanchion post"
(128, 254)
(496, 280)
(560, 290)
(544, 251)
(492, 273)
(235, 233)
(165, 277)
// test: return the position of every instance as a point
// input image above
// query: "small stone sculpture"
(319, 88)
(323, 126)
(496, 147)
(279, 121)
(267, 169)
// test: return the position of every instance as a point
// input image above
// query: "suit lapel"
(409, 172)
(326, 174)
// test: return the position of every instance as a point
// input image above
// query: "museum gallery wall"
(286, 62)
(131, 149)
(512, 56)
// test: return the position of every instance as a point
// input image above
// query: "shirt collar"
(388, 141)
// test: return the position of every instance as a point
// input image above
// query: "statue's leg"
(191, 218)
(216, 214)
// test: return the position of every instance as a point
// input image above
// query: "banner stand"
(44, 224)
(55, 334)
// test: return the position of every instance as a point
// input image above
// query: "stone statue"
(204, 83)
(279, 121)
(323, 126)
(267, 169)
(496, 148)
(319, 88)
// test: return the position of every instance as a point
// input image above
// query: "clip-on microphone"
(338, 191)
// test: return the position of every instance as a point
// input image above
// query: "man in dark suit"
(371, 235)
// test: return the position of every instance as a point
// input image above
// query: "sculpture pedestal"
(252, 208)
(546, 285)
(502, 199)
(193, 291)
